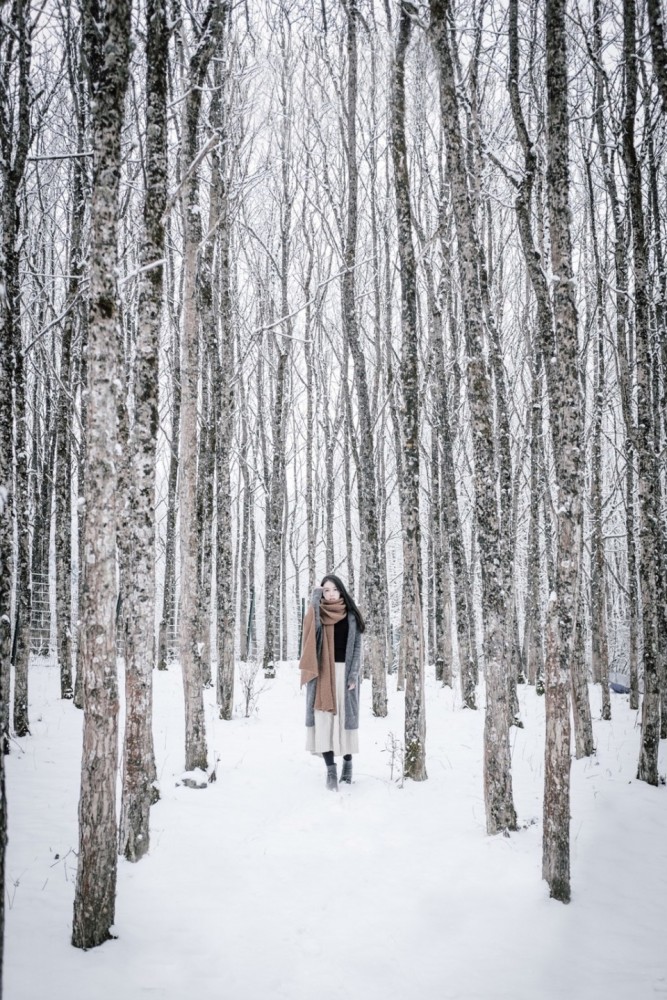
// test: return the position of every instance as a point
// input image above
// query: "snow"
(267, 885)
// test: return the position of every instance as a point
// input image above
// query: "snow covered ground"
(266, 885)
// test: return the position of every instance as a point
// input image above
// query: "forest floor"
(265, 885)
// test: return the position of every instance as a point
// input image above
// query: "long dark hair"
(349, 601)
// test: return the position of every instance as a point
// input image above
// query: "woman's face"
(330, 591)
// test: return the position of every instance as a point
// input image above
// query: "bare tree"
(107, 40)
(16, 48)
(139, 773)
(649, 524)
(412, 638)
(15, 100)
(500, 813)
(623, 344)
(374, 594)
(566, 410)
(188, 618)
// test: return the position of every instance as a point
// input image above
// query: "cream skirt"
(329, 732)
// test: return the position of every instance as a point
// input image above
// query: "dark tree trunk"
(647, 479)
(656, 28)
(15, 45)
(14, 152)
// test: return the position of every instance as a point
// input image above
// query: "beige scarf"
(325, 671)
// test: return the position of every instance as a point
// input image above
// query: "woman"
(330, 658)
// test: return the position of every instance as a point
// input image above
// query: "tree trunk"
(14, 45)
(245, 570)
(412, 637)
(274, 518)
(566, 409)
(15, 38)
(446, 410)
(222, 349)
(94, 903)
(65, 409)
(196, 756)
(139, 771)
(599, 646)
(659, 50)
(649, 527)
(623, 338)
(533, 647)
(500, 812)
(374, 599)
(42, 476)
(583, 725)
(205, 481)
(168, 616)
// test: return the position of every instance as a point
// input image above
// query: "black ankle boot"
(346, 773)
(332, 778)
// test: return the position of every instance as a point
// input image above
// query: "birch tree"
(139, 773)
(500, 813)
(15, 133)
(374, 595)
(649, 527)
(566, 408)
(188, 618)
(108, 49)
(412, 638)
(14, 145)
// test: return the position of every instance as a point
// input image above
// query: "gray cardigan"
(352, 663)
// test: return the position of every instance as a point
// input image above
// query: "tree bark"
(94, 903)
(649, 527)
(196, 756)
(566, 408)
(623, 349)
(658, 48)
(15, 141)
(168, 615)
(533, 646)
(15, 31)
(500, 812)
(374, 599)
(139, 771)
(412, 637)
(274, 518)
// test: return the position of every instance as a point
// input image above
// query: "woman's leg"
(332, 773)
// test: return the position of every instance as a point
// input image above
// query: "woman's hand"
(351, 686)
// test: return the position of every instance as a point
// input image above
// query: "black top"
(341, 629)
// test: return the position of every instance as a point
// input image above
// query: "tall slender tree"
(188, 618)
(500, 812)
(139, 772)
(374, 597)
(566, 413)
(647, 479)
(412, 637)
(107, 33)
(14, 144)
